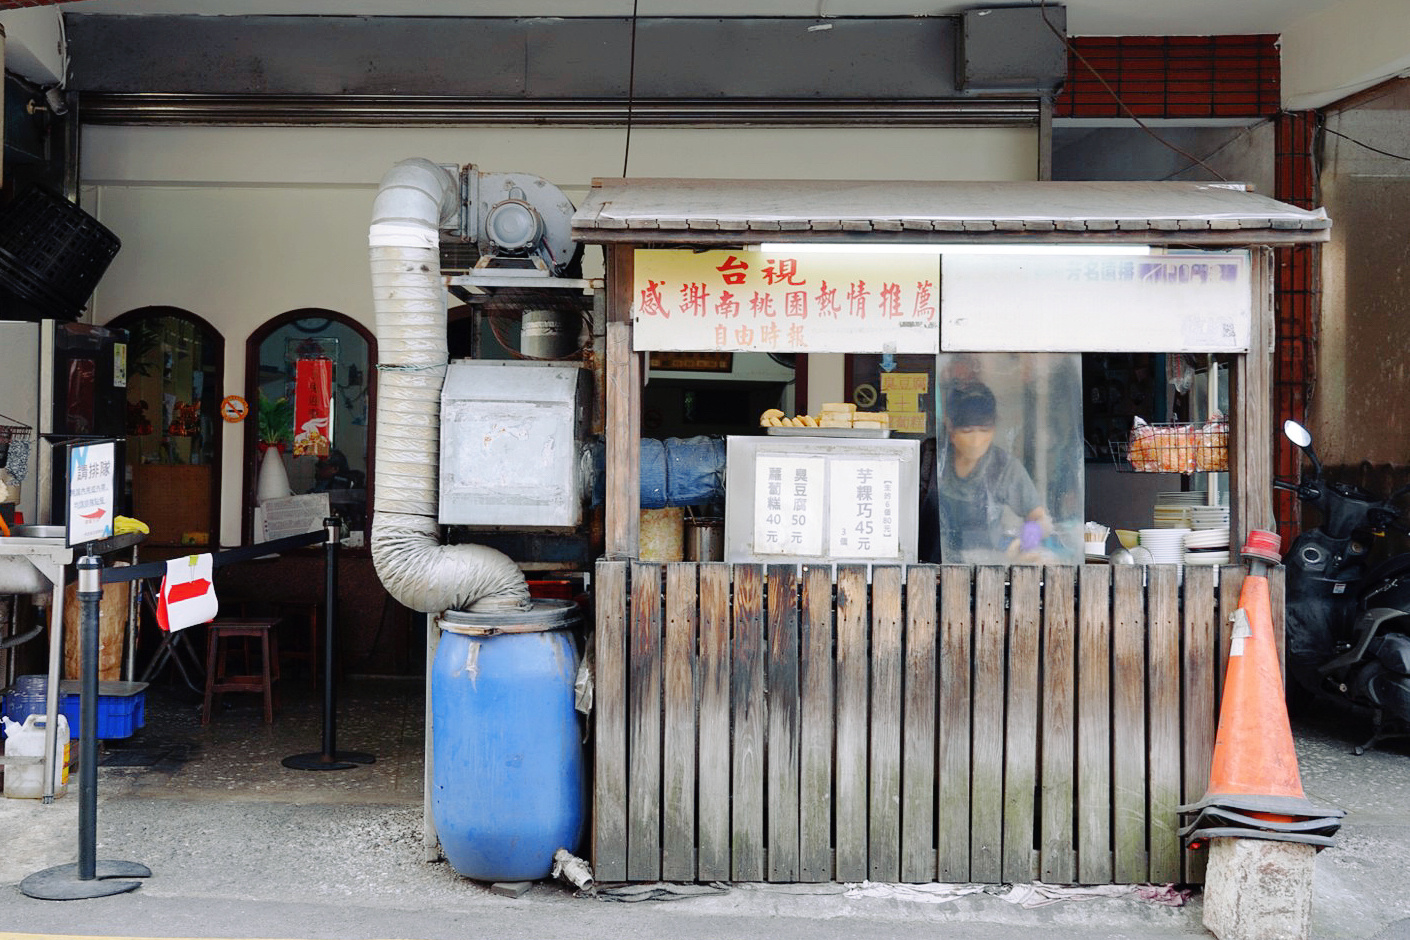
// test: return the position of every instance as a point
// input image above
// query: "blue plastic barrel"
(26, 697)
(508, 779)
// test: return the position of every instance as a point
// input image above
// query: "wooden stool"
(223, 629)
(308, 653)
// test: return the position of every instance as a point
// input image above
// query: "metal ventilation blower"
(519, 222)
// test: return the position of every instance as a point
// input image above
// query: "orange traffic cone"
(1253, 748)
(1255, 788)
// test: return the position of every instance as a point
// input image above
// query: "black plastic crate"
(52, 253)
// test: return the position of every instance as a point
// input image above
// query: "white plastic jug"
(26, 781)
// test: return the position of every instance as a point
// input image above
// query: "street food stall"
(821, 707)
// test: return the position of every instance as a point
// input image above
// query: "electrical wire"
(1072, 48)
(1362, 143)
(631, 91)
(1224, 146)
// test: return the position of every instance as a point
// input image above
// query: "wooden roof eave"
(702, 213)
(700, 237)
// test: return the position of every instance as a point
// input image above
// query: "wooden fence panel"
(884, 830)
(1163, 710)
(1011, 724)
(815, 757)
(987, 772)
(1198, 692)
(1057, 842)
(850, 811)
(1094, 855)
(1128, 718)
(1020, 859)
(678, 772)
(609, 730)
(713, 796)
(952, 794)
(918, 719)
(783, 744)
(644, 726)
(747, 703)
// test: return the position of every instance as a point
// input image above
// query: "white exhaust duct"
(416, 199)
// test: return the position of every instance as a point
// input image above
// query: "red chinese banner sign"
(782, 301)
(313, 407)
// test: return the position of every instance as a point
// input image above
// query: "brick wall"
(1171, 77)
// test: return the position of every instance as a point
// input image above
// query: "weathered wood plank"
(644, 726)
(609, 804)
(747, 685)
(815, 757)
(952, 793)
(1231, 583)
(1251, 437)
(884, 817)
(918, 717)
(1020, 860)
(713, 796)
(783, 718)
(1277, 599)
(622, 377)
(1197, 688)
(1094, 859)
(1128, 716)
(1057, 842)
(850, 809)
(987, 772)
(678, 739)
(1163, 702)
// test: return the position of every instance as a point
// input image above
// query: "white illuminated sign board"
(1184, 302)
(780, 301)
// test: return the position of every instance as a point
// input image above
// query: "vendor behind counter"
(982, 506)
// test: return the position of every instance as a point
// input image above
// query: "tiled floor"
(238, 756)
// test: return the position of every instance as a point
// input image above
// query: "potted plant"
(275, 419)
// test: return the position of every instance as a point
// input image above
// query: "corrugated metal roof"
(701, 211)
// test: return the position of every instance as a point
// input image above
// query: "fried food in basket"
(1163, 448)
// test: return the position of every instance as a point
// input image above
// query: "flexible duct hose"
(415, 199)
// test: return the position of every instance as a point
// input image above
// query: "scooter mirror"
(1296, 433)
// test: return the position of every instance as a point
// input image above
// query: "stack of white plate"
(1209, 517)
(1172, 510)
(1167, 546)
(1207, 546)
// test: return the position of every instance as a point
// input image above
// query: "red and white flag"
(188, 593)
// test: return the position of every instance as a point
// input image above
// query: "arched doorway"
(337, 355)
(176, 363)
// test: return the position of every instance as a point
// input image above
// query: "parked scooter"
(1347, 619)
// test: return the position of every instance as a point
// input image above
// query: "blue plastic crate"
(122, 707)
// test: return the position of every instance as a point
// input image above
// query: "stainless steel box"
(821, 499)
(511, 436)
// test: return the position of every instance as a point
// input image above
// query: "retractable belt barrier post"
(88, 878)
(330, 758)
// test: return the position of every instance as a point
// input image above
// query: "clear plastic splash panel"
(1008, 482)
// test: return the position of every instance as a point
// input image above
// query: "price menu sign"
(821, 499)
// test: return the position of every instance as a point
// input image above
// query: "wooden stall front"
(911, 723)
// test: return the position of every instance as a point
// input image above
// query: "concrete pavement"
(315, 860)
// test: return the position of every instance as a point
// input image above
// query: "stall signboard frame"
(630, 215)
(906, 703)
